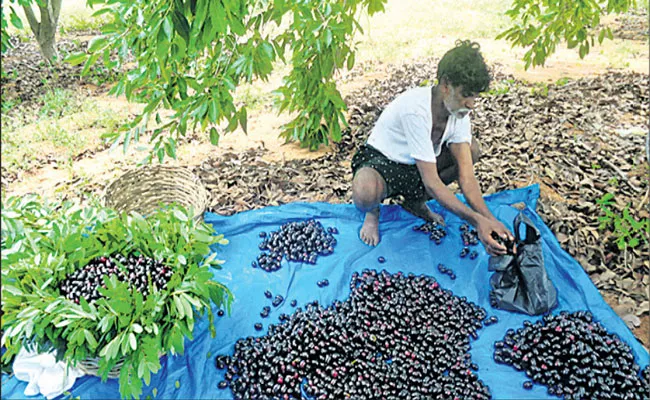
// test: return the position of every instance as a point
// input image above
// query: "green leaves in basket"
(43, 242)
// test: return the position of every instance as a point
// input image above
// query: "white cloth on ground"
(44, 374)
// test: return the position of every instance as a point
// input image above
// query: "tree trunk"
(45, 30)
(47, 43)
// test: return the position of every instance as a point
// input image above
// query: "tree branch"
(31, 18)
(45, 14)
(56, 9)
(50, 12)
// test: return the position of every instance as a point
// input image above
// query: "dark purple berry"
(381, 260)
(464, 252)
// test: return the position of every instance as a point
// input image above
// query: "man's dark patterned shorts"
(401, 179)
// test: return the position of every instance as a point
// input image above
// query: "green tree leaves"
(540, 25)
(318, 42)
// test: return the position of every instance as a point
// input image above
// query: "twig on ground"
(644, 199)
(621, 174)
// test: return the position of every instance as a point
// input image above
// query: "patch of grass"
(429, 82)
(9, 105)
(562, 81)
(21, 152)
(50, 137)
(540, 89)
(75, 15)
(15, 151)
(12, 76)
(613, 181)
(100, 75)
(109, 120)
(414, 28)
(501, 87)
(58, 103)
(13, 114)
(620, 55)
(253, 96)
(60, 137)
(23, 35)
(94, 116)
(81, 22)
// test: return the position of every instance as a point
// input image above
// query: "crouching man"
(421, 143)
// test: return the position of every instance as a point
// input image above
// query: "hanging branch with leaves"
(191, 55)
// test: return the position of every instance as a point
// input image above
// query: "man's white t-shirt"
(403, 131)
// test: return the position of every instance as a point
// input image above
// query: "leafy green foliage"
(191, 56)
(13, 18)
(539, 89)
(500, 88)
(42, 242)
(562, 81)
(318, 44)
(626, 230)
(541, 24)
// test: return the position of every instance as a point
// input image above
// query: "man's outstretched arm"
(439, 191)
(470, 187)
(467, 180)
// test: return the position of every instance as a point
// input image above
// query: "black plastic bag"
(520, 282)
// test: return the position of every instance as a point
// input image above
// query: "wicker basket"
(144, 189)
(90, 366)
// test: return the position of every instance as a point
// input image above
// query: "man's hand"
(485, 227)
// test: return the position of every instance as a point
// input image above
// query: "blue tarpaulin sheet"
(404, 250)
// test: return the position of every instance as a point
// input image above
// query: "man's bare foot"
(370, 230)
(421, 210)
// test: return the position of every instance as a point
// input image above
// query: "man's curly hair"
(464, 65)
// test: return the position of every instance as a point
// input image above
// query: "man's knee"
(475, 148)
(368, 189)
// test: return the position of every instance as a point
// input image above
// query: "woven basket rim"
(146, 187)
(90, 366)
